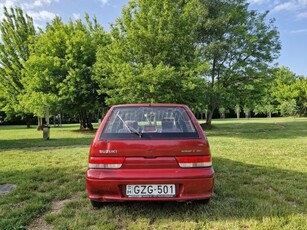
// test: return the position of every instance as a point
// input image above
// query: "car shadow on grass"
(243, 192)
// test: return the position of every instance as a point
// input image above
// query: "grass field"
(261, 181)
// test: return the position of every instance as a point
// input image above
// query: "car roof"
(153, 105)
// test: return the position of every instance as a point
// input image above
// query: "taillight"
(106, 162)
(194, 161)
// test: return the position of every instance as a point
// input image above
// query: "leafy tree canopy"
(288, 87)
(17, 30)
(60, 68)
(152, 56)
(240, 46)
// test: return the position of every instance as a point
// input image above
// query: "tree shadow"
(40, 143)
(16, 127)
(258, 130)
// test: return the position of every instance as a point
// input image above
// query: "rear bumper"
(109, 185)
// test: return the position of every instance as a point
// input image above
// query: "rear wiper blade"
(131, 129)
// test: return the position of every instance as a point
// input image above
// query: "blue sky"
(290, 15)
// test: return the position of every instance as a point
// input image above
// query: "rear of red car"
(148, 152)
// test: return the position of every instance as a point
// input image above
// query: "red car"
(149, 152)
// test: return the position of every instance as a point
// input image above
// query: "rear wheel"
(204, 201)
(96, 204)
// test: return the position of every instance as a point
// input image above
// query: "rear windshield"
(149, 123)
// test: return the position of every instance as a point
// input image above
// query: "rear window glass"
(149, 122)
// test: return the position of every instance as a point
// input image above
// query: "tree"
(288, 86)
(17, 30)
(237, 109)
(43, 71)
(152, 56)
(288, 108)
(222, 112)
(247, 110)
(238, 44)
(58, 73)
(266, 102)
(265, 108)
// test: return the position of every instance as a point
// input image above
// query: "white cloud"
(41, 15)
(76, 16)
(26, 5)
(32, 4)
(30, 7)
(256, 2)
(41, 2)
(298, 31)
(301, 15)
(297, 7)
(286, 6)
(264, 2)
(8, 4)
(291, 5)
(103, 2)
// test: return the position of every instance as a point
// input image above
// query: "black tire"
(204, 201)
(96, 204)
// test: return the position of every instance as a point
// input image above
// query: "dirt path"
(56, 208)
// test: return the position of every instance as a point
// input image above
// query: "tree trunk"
(238, 115)
(82, 120)
(60, 119)
(85, 119)
(89, 121)
(47, 115)
(28, 119)
(209, 118)
(212, 105)
(269, 114)
(39, 124)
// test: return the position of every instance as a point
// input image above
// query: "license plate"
(151, 190)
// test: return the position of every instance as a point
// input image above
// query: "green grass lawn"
(261, 181)
(22, 137)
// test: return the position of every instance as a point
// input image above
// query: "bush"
(288, 108)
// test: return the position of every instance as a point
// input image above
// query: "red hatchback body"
(149, 152)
